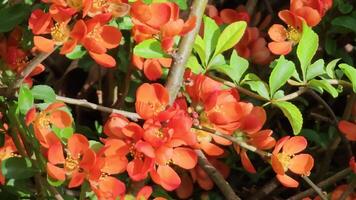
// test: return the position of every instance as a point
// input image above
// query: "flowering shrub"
(165, 99)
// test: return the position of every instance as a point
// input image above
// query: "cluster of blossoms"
(163, 146)
(69, 23)
(310, 12)
(14, 57)
(160, 21)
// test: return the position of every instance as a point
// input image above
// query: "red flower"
(108, 188)
(348, 129)
(300, 164)
(113, 126)
(42, 122)
(77, 162)
(43, 23)
(152, 68)
(159, 18)
(283, 39)
(97, 37)
(151, 99)
(6, 151)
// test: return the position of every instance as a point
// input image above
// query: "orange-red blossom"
(43, 122)
(285, 156)
(309, 11)
(161, 19)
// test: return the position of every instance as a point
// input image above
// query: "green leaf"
(199, 47)
(315, 69)
(350, 72)
(293, 114)
(230, 36)
(17, 168)
(235, 70)
(260, 87)
(346, 22)
(330, 68)
(211, 36)
(43, 92)
(307, 47)
(12, 16)
(150, 48)
(77, 53)
(322, 85)
(53, 182)
(283, 70)
(194, 65)
(25, 100)
(181, 3)
(218, 60)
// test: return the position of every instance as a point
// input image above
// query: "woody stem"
(315, 188)
(176, 72)
(28, 69)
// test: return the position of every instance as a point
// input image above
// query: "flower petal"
(277, 33)
(295, 145)
(104, 60)
(169, 179)
(184, 157)
(280, 48)
(55, 154)
(301, 164)
(246, 163)
(111, 36)
(348, 129)
(43, 44)
(287, 181)
(76, 180)
(56, 172)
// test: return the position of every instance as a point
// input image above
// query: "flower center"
(77, 4)
(60, 32)
(98, 4)
(43, 120)
(135, 154)
(284, 159)
(293, 35)
(95, 33)
(71, 164)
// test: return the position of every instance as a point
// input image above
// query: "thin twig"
(315, 188)
(265, 190)
(239, 88)
(176, 72)
(326, 105)
(293, 95)
(241, 143)
(349, 189)
(216, 176)
(86, 104)
(329, 181)
(329, 154)
(28, 69)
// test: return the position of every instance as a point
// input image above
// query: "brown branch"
(326, 105)
(241, 143)
(329, 181)
(329, 154)
(174, 83)
(239, 88)
(293, 95)
(265, 190)
(28, 69)
(86, 104)
(216, 176)
(315, 188)
(176, 72)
